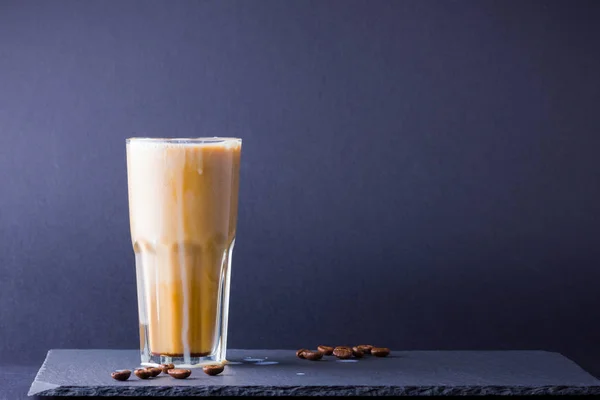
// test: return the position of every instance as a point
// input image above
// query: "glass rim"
(214, 139)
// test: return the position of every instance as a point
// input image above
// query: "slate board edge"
(39, 387)
(176, 391)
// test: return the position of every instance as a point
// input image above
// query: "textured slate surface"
(87, 373)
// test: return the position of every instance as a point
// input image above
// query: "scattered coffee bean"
(166, 367)
(213, 370)
(326, 350)
(179, 373)
(300, 353)
(121, 374)
(154, 371)
(356, 352)
(312, 355)
(380, 351)
(142, 373)
(342, 352)
(365, 348)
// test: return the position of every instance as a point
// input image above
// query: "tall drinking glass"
(183, 201)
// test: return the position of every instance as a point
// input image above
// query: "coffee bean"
(121, 374)
(166, 367)
(365, 348)
(179, 373)
(154, 371)
(380, 351)
(300, 353)
(213, 370)
(356, 352)
(312, 355)
(142, 373)
(326, 350)
(342, 352)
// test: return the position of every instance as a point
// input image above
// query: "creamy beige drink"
(183, 200)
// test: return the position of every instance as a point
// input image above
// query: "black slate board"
(87, 373)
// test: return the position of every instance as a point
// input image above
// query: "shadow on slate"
(280, 372)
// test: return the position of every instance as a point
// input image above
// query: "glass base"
(180, 362)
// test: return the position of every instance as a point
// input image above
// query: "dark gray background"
(416, 174)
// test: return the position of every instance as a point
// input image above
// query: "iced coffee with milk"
(183, 201)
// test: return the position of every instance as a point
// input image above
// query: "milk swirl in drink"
(183, 200)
